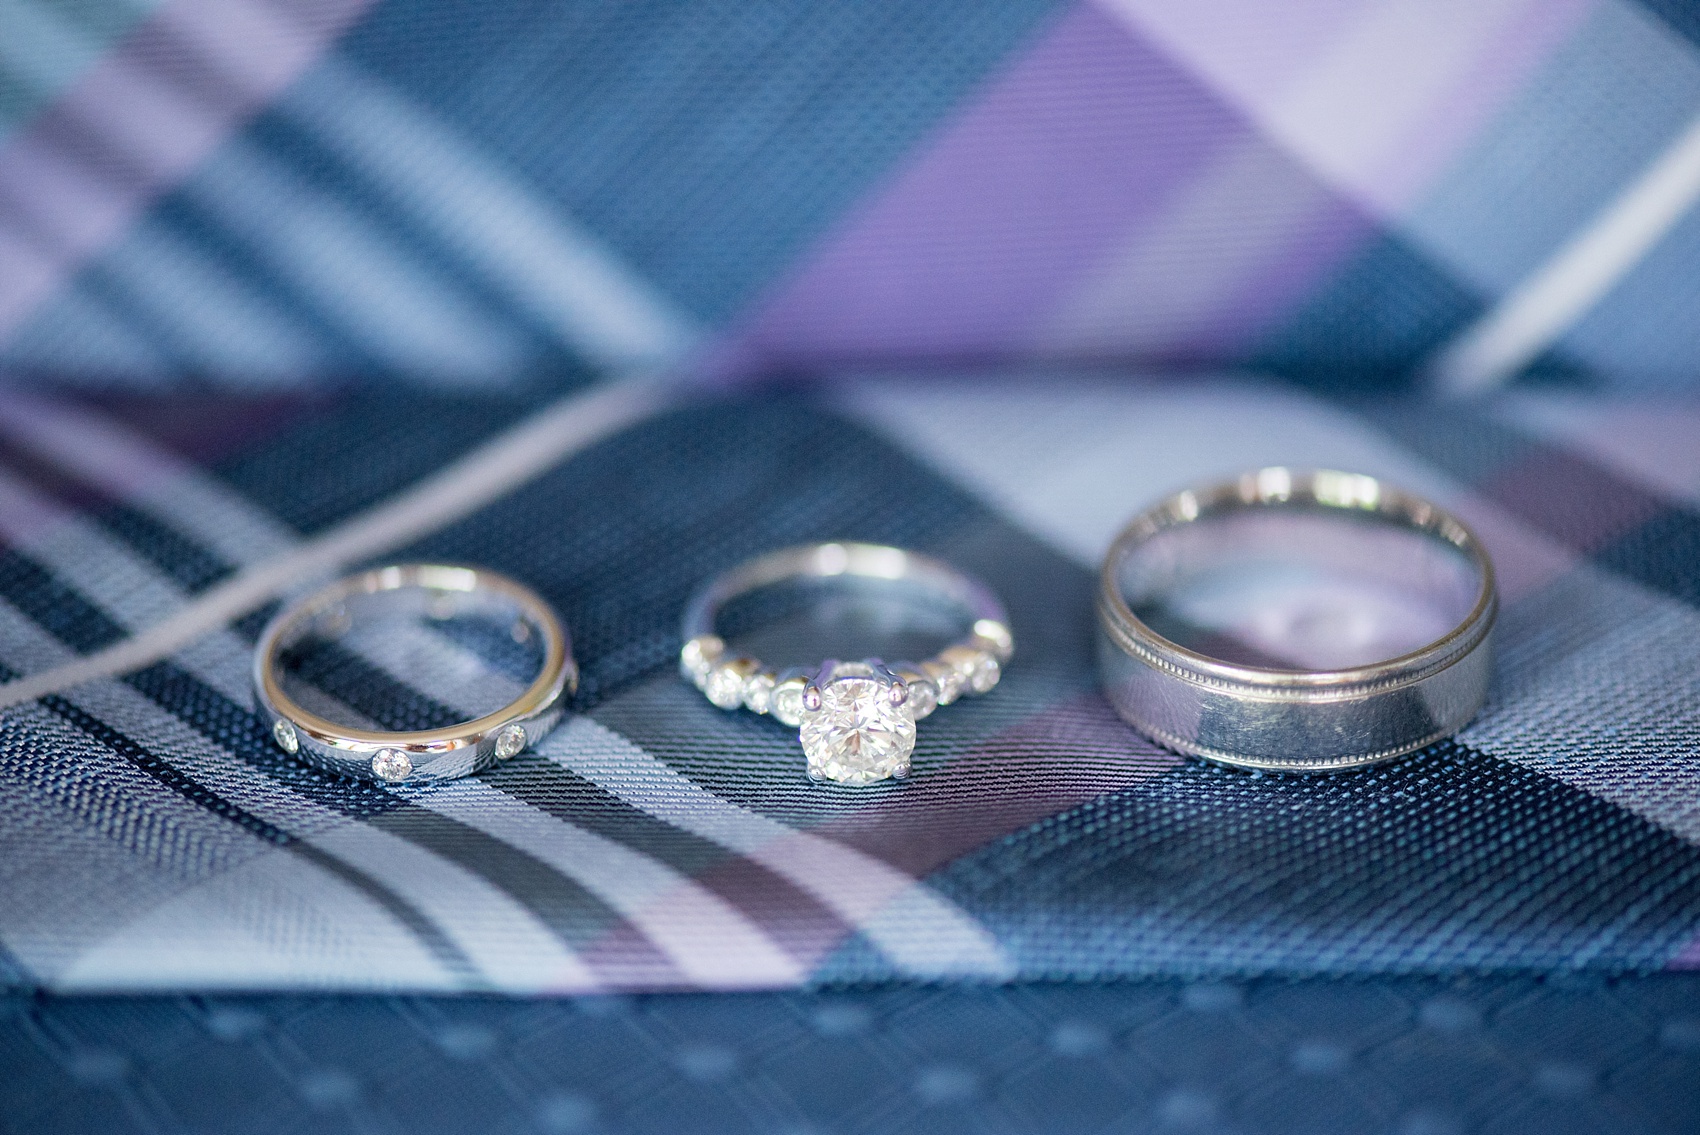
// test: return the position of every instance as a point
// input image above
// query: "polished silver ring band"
(1290, 719)
(855, 720)
(424, 755)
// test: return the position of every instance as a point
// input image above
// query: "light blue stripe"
(1645, 334)
(82, 336)
(44, 48)
(1603, 107)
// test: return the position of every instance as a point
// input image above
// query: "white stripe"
(82, 935)
(102, 453)
(398, 307)
(246, 928)
(710, 941)
(1071, 463)
(1537, 312)
(104, 570)
(503, 939)
(921, 931)
(713, 945)
(492, 469)
(432, 664)
(521, 243)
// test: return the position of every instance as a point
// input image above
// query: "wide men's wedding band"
(423, 755)
(1301, 720)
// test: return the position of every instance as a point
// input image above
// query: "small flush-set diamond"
(510, 741)
(284, 734)
(392, 765)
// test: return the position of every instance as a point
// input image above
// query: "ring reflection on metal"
(435, 591)
(855, 720)
(1267, 715)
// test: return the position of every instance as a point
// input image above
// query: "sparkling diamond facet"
(510, 741)
(391, 764)
(857, 736)
(284, 734)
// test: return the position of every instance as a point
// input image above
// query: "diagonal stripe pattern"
(656, 843)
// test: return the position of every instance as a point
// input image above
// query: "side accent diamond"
(510, 741)
(284, 734)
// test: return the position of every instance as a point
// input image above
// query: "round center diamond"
(857, 736)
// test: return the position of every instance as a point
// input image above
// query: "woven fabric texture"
(1408, 1056)
(300, 192)
(155, 837)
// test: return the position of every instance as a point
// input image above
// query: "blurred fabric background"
(297, 192)
(612, 296)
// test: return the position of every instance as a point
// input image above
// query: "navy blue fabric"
(1499, 1056)
(1085, 851)
(1206, 869)
(1380, 315)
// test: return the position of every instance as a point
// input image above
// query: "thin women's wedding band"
(422, 755)
(855, 720)
(1298, 720)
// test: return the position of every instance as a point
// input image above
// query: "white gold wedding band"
(1270, 717)
(423, 755)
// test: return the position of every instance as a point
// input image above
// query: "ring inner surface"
(1299, 587)
(410, 659)
(802, 622)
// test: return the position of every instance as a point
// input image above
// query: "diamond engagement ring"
(1297, 620)
(856, 720)
(431, 595)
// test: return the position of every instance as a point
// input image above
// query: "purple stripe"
(1246, 241)
(1031, 186)
(137, 123)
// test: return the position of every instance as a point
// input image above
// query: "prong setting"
(855, 719)
(854, 729)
